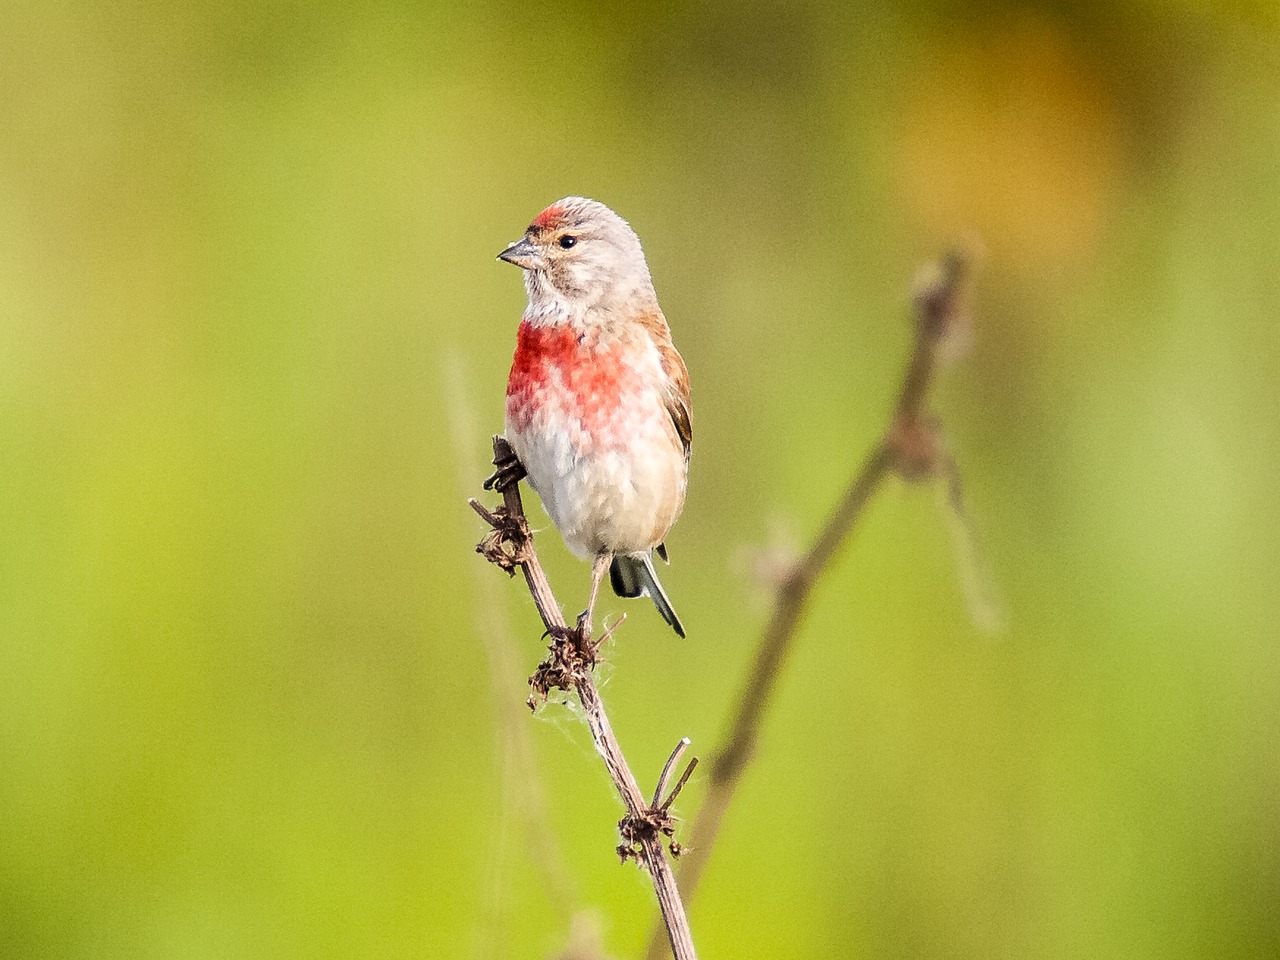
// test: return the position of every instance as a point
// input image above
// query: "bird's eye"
(568, 241)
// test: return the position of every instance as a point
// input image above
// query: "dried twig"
(568, 665)
(911, 448)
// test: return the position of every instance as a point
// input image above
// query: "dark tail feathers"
(634, 576)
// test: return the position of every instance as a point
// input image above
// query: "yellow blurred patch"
(1008, 131)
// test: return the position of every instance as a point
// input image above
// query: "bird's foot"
(563, 634)
(509, 472)
(570, 657)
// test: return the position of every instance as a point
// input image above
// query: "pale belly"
(618, 489)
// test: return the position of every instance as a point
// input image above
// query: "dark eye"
(568, 241)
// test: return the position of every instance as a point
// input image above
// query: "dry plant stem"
(652, 855)
(668, 768)
(911, 448)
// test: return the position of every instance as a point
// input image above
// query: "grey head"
(580, 257)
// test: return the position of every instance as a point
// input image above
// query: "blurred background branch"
(912, 448)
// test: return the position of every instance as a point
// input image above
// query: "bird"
(597, 406)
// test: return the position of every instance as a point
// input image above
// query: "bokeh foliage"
(245, 250)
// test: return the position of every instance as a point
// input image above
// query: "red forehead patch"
(549, 217)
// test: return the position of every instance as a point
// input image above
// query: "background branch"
(568, 665)
(910, 447)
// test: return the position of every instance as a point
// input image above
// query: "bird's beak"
(523, 254)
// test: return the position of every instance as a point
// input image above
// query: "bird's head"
(582, 259)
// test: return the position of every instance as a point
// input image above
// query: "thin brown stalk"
(568, 666)
(911, 447)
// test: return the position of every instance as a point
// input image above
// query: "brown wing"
(677, 394)
(682, 417)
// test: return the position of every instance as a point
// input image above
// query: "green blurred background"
(253, 341)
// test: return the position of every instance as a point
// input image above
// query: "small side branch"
(669, 768)
(568, 666)
(911, 448)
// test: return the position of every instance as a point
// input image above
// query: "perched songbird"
(598, 398)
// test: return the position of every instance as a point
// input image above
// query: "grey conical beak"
(523, 254)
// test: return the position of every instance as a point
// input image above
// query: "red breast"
(564, 369)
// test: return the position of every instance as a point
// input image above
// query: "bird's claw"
(509, 472)
(570, 657)
(562, 633)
